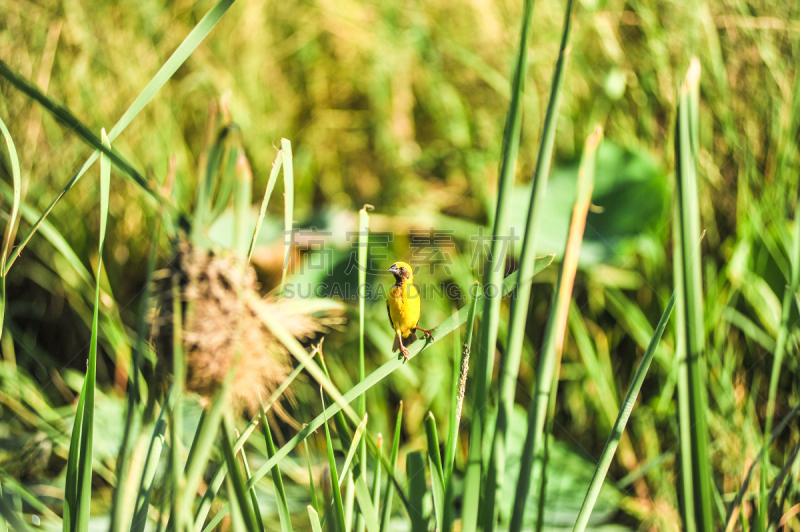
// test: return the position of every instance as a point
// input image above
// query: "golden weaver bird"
(403, 305)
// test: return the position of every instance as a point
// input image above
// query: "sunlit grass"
(568, 341)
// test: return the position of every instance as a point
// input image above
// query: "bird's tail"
(407, 341)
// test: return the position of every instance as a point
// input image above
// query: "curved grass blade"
(78, 487)
(65, 116)
(277, 480)
(314, 518)
(178, 57)
(273, 177)
(338, 506)
(10, 230)
(376, 478)
(240, 489)
(354, 446)
(622, 419)
(521, 299)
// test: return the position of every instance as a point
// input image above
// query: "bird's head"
(402, 272)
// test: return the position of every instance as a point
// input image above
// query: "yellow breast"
(404, 307)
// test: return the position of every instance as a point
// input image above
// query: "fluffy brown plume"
(222, 325)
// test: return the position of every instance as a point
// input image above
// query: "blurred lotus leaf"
(629, 207)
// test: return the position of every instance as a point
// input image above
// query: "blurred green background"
(401, 105)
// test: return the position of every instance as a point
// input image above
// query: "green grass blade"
(696, 469)
(365, 505)
(363, 257)
(386, 514)
(273, 178)
(243, 501)
(376, 478)
(149, 470)
(204, 441)
(314, 518)
(457, 400)
(77, 496)
(181, 54)
(521, 300)
(10, 230)
(622, 419)
(312, 488)
(338, 506)
(177, 514)
(437, 474)
(534, 452)
(417, 487)
(493, 274)
(253, 497)
(354, 446)
(65, 116)
(288, 205)
(277, 480)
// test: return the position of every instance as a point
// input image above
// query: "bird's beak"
(394, 269)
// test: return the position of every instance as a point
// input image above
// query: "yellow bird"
(403, 305)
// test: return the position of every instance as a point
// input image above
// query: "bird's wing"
(389, 313)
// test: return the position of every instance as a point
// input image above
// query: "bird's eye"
(402, 269)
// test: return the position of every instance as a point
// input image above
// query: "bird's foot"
(426, 332)
(404, 350)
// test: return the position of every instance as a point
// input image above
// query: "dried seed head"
(222, 327)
